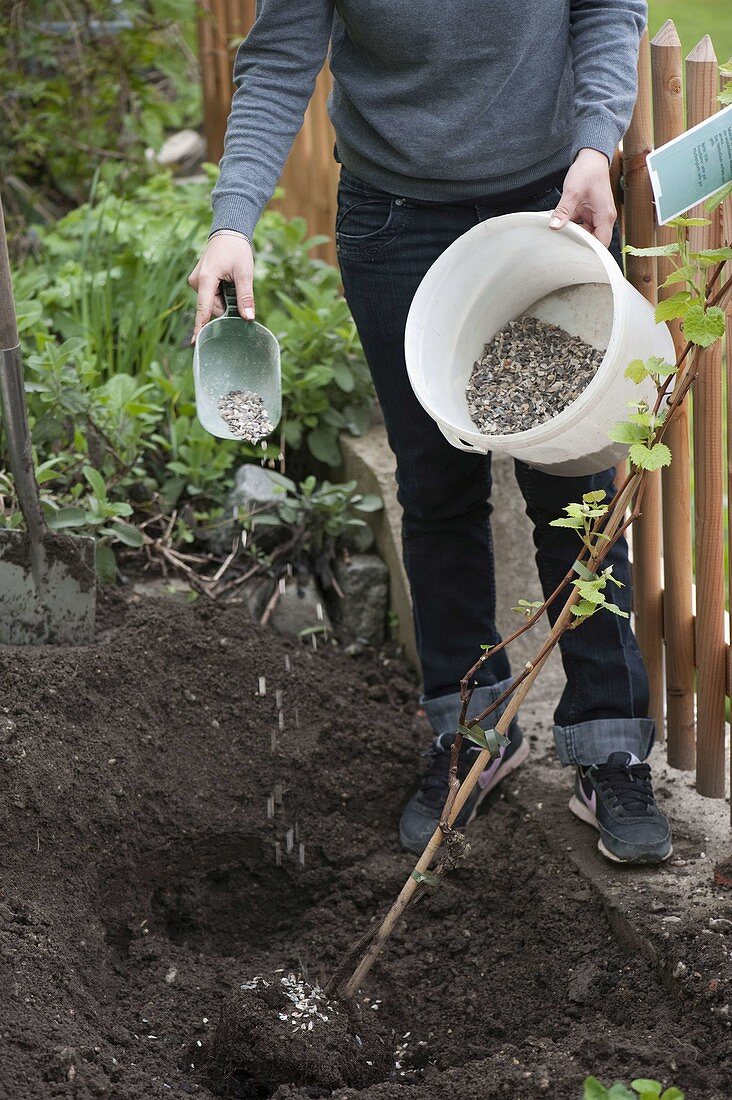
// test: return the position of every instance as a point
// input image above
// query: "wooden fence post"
(678, 578)
(641, 272)
(702, 82)
(727, 238)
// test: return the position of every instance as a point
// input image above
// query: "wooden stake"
(641, 272)
(702, 82)
(678, 617)
(614, 523)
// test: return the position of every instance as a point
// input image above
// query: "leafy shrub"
(312, 521)
(85, 83)
(105, 315)
(642, 1089)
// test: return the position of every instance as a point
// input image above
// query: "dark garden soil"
(141, 885)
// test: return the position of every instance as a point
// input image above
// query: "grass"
(694, 19)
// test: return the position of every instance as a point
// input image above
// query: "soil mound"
(279, 1028)
(193, 800)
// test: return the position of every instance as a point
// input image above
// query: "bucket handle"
(456, 441)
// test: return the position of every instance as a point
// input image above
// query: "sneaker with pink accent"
(617, 799)
(421, 815)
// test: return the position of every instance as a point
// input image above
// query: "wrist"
(230, 233)
(587, 155)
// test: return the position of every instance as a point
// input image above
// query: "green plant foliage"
(581, 517)
(85, 84)
(314, 520)
(640, 1089)
(105, 315)
(527, 607)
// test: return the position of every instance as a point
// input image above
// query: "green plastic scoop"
(233, 354)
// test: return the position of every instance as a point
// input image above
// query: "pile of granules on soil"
(528, 373)
(279, 1029)
(244, 413)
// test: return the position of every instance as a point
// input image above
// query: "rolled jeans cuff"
(443, 713)
(592, 742)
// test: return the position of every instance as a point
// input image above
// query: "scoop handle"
(228, 293)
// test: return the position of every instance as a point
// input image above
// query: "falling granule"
(244, 413)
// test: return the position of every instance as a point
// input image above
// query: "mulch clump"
(158, 854)
(529, 372)
(279, 1028)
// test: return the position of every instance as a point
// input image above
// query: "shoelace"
(435, 782)
(628, 784)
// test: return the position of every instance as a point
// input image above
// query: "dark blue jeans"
(386, 243)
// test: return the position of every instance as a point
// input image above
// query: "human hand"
(226, 258)
(587, 197)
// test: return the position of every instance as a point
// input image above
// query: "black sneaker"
(421, 814)
(617, 799)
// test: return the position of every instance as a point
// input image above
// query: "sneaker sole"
(584, 813)
(518, 758)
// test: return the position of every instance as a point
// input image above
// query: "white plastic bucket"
(509, 266)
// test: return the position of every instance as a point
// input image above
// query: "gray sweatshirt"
(432, 99)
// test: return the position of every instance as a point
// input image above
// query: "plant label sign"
(691, 167)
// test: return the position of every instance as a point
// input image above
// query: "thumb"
(243, 280)
(563, 211)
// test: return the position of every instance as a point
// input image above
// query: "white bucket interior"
(566, 285)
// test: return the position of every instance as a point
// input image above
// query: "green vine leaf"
(584, 608)
(650, 458)
(594, 497)
(527, 607)
(704, 327)
(682, 222)
(718, 197)
(685, 274)
(636, 371)
(566, 521)
(714, 255)
(615, 610)
(625, 432)
(675, 306)
(657, 250)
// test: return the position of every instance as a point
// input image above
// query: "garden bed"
(140, 807)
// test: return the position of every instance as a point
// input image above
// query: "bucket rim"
(547, 429)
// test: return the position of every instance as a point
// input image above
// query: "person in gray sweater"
(447, 113)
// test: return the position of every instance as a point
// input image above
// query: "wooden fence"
(678, 552)
(311, 174)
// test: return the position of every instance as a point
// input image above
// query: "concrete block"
(361, 613)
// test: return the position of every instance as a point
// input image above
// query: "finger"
(604, 227)
(243, 281)
(207, 288)
(563, 211)
(219, 306)
(194, 276)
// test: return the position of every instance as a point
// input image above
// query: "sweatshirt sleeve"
(274, 75)
(605, 39)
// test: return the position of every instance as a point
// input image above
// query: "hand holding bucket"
(494, 273)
